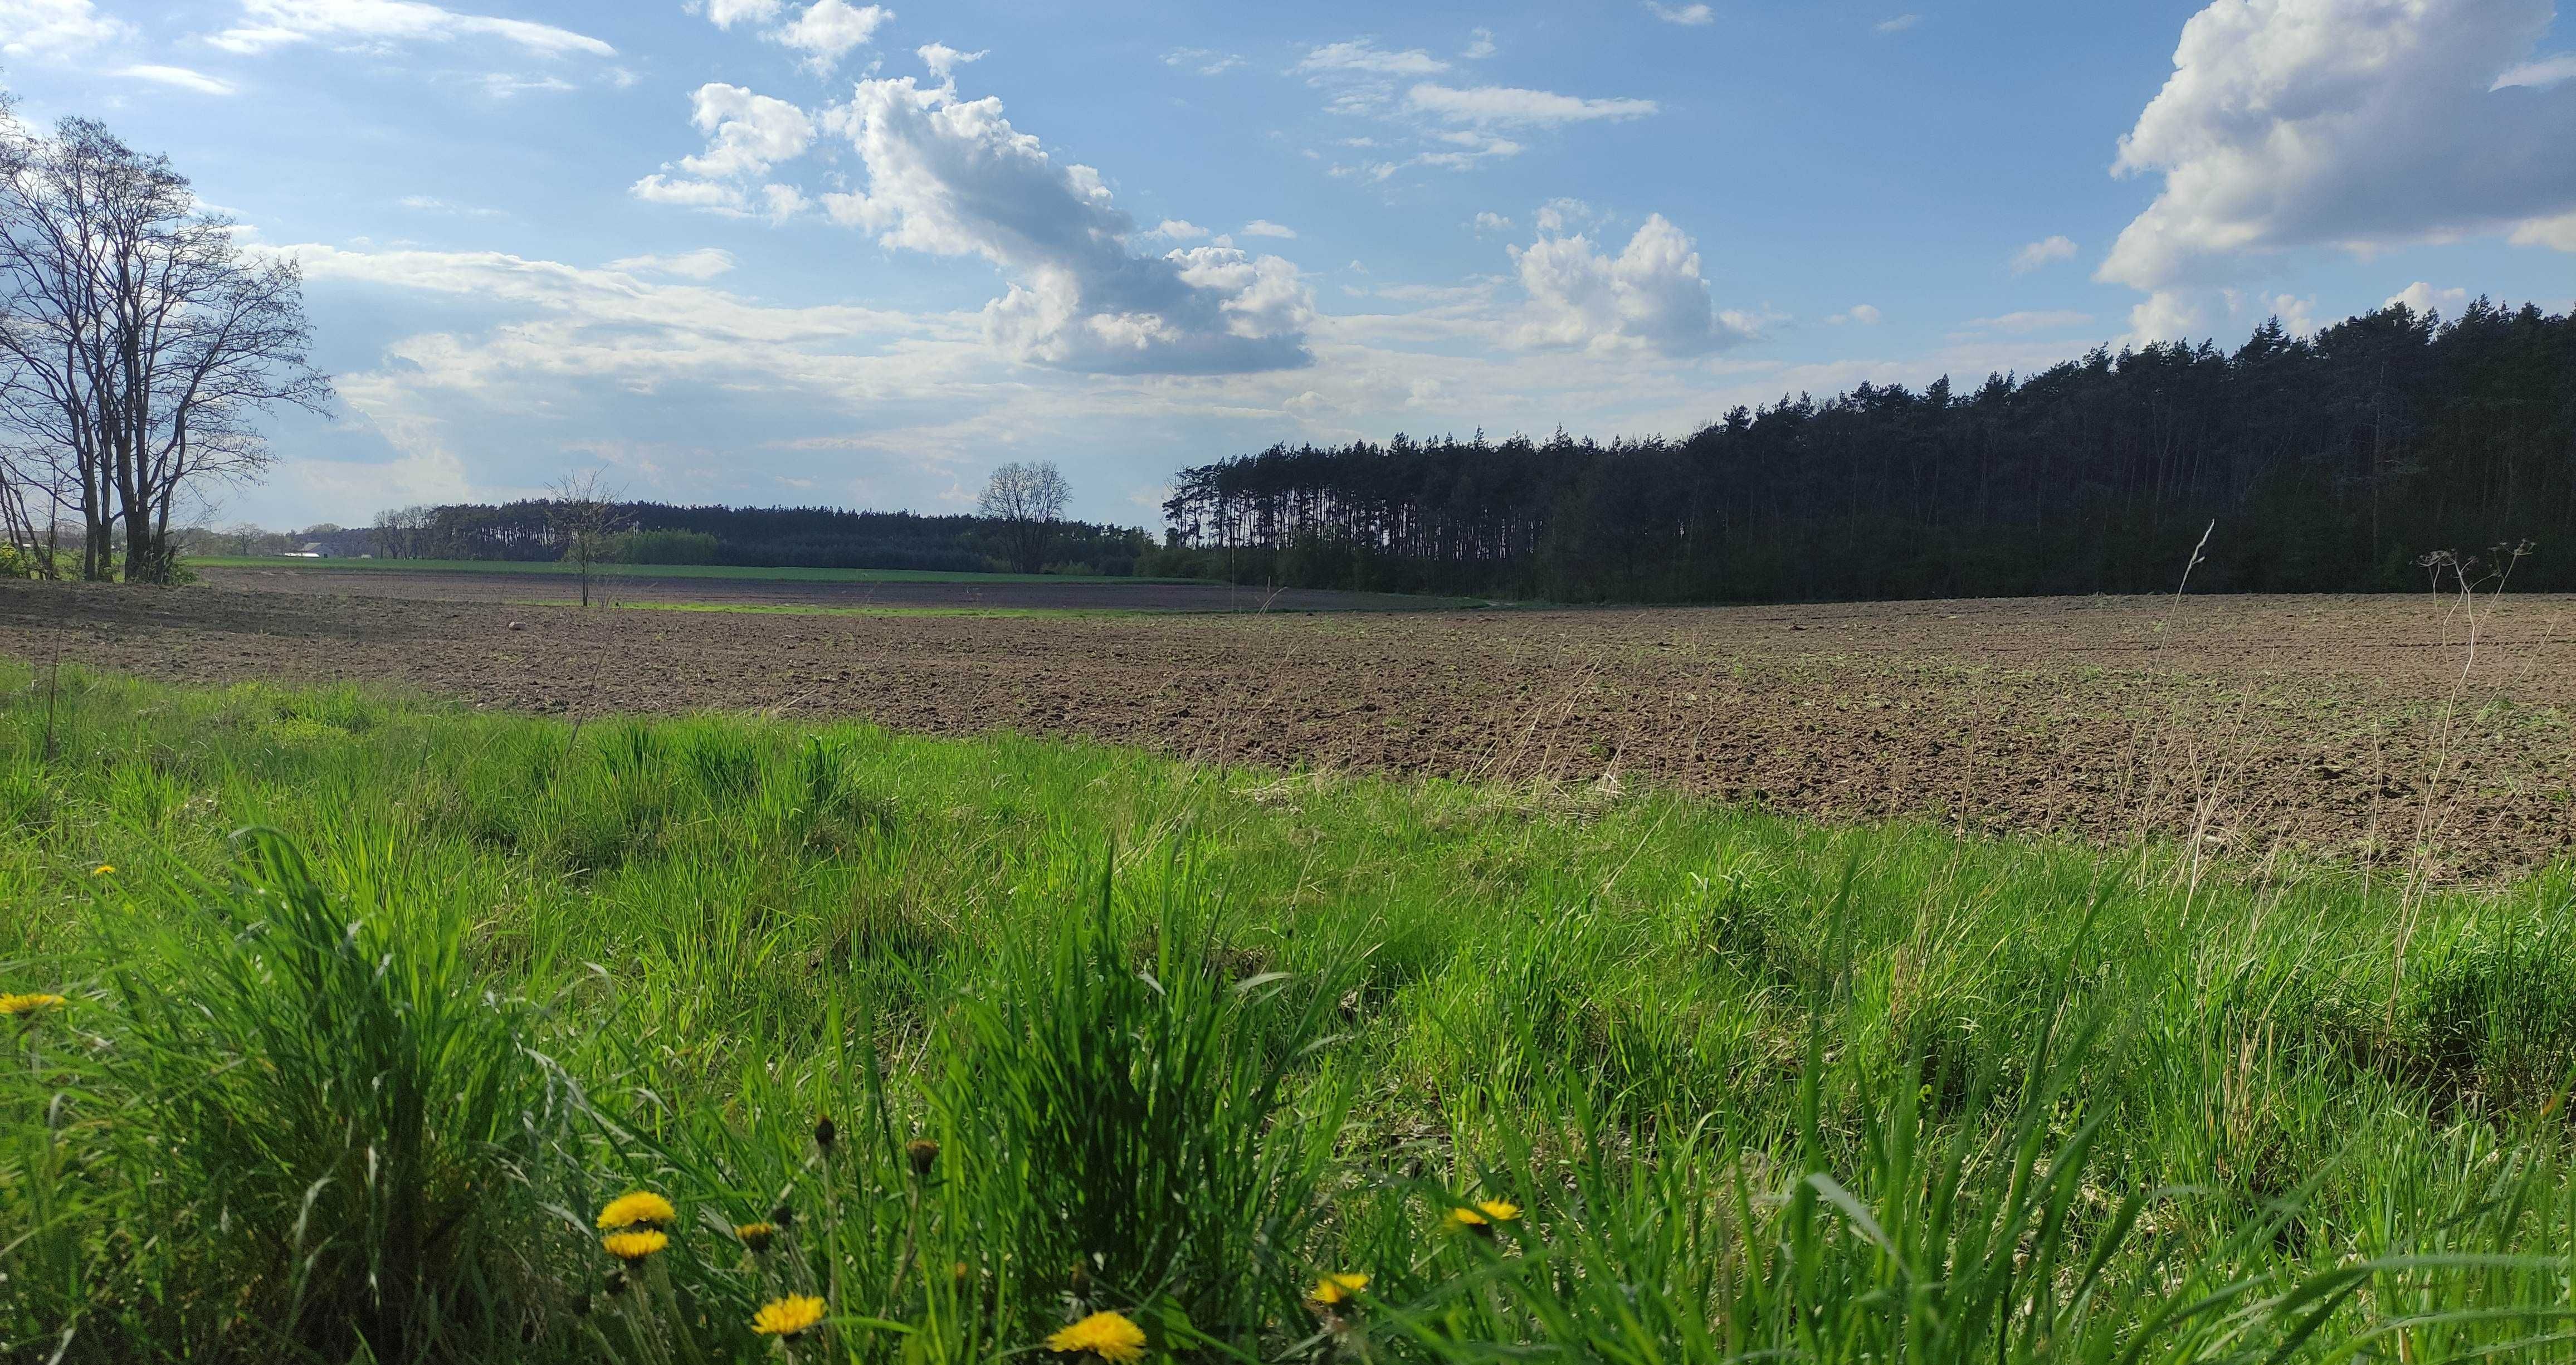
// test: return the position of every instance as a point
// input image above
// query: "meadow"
(340, 1017)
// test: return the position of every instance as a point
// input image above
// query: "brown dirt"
(984, 594)
(2334, 725)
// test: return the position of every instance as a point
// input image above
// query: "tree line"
(769, 537)
(2346, 461)
(139, 346)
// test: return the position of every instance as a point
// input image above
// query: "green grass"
(616, 571)
(785, 609)
(1186, 1038)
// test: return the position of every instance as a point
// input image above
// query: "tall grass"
(1000, 1034)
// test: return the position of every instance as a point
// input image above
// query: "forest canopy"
(769, 537)
(2338, 462)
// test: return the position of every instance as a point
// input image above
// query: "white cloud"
(828, 29)
(1205, 61)
(1490, 221)
(697, 194)
(2042, 252)
(1364, 55)
(2556, 233)
(1500, 104)
(944, 60)
(1556, 215)
(276, 23)
(1899, 24)
(1263, 227)
(782, 202)
(727, 13)
(2353, 123)
(1480, 45)
(1177, 230)
(2546, 72)
(746, 133)
(182, 78)
(2023, 323)
(1862, 314)
(952, 177)
(704, 263)
(1650, 296)
(36, 27)
(2424, 298)
(1693, 15)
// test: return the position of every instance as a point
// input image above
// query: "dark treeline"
(2334, 463)
(769, 537)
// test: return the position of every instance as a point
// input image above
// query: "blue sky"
(764, 251)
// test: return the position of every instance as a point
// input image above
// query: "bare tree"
(1027, 501)
(586, 519)
(138, 343)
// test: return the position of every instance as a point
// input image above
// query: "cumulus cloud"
(1692, 15)
(2424, 298)
(1263, 227)
(2042, 252)
(1648, 297)
(1177, 230)
(697, 194)
(1480, 45)
(952, 177)
(1501, 104)
(181, 78)
(1490, 221)
(42, 27)
(2351, 123)
(746, 133)
(705, 263)
(944, 60)
(727, 13)
(1364, 55)
(1860, 314)
(268, 24)
(828, 29)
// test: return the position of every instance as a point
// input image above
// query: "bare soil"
(2356, 728)
(965, 593)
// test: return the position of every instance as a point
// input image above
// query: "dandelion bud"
(756, 1236)
(923, 1153)
(783, 1216)
(615, 1284)
(826, 1133)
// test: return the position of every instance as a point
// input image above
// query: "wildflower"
(756, 1235)
(631, 1247)
(1109, 1336)
(103, 870)
(923, 1153)
(1334, 1290)
(788, 1318)
(1481, 1219)
(29, 1006)
(637, 1208)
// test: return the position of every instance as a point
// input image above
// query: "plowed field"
(2358, 728)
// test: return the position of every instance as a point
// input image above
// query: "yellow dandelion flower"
(756, 1235)
(637, 1208)
(788, 1318)
(1482, 1218)
(1333, 1290)
(29, 1006)
(1110, 1336)
(103, 870)
(634, 1246)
